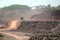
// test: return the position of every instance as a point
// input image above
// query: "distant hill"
(11, 7)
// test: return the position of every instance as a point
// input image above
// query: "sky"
(30, 3)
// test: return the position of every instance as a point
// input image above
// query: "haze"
(30, 3)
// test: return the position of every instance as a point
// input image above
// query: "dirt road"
(22, 37)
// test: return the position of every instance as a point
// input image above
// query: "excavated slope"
(37, 26)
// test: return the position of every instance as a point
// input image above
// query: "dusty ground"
(15, 36)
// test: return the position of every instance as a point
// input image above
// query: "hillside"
(49, 15)
(13, 12)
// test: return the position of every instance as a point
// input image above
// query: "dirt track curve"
(22, 37)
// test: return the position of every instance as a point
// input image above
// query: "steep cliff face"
(37, 26)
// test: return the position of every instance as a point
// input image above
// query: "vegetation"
(11, 7)
(55, 8)
(55, 12)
